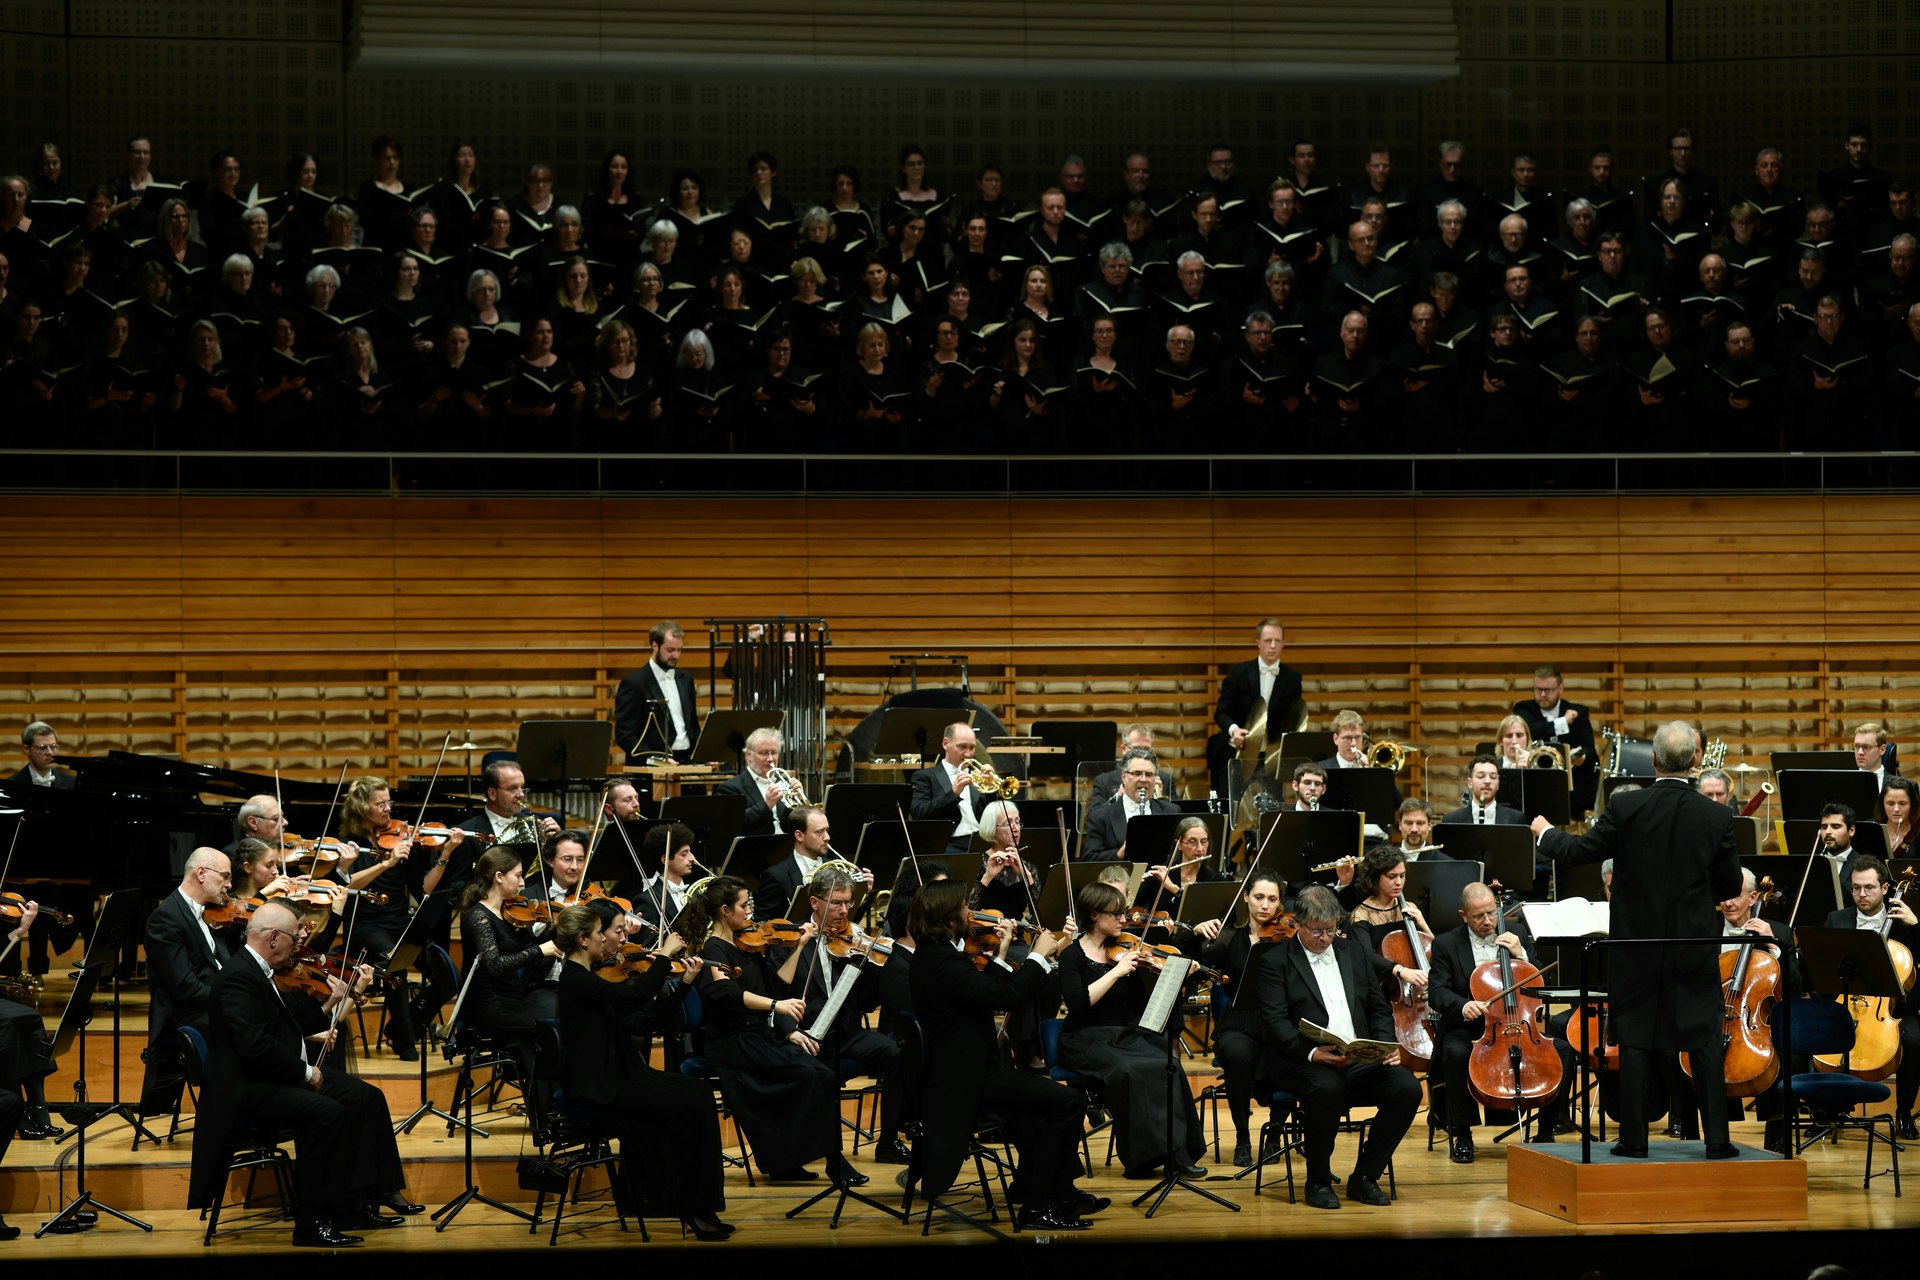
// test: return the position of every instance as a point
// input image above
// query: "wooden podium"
(1675, 1183)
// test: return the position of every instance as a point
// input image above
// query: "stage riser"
(1756, 1187)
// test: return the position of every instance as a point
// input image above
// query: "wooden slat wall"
(245, 631)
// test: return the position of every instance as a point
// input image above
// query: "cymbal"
(1744, 767)
(1255, 744)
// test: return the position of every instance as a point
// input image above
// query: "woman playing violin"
(25, 1063)
(503, 994)
(260, 875)
(786, 1099)
(651, 1113)
(1383, 874)
(1105, 998)
(1238, 1036)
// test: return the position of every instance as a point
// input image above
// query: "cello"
(1513, 1065)
(1876, 1028)
(1413, 1018)
(1750, 986)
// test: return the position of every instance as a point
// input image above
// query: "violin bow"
(339, 785)
(11, 846)
(1253, 865)
(427, 799)
(593, 839)
(1066, 863)
(340, 1009)
(1806, 871)
(660, 897)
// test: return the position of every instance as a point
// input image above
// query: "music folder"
(723, 738)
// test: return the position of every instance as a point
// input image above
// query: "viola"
(431, 835)
(635, 958)
(1513, 1065)
(1749, 987)
(1413, 1019)
(393, 835)
(847, 941)
(324, 854)
(1141, 919)
(1153, 956)
(757, 937)
(14, 907)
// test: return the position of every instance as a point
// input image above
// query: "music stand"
(1435, 888)
(1869, 838)
(965, 867)
(1212, 900)
(1844, 963)
(851, 805)
(1304, 744)
(1086, 742)
(609, 862)
(1302, 840)
(918, 731)
(1038, 815)
(1149, 839)
(1613, 782)
(1803, 792)
(1823, 895)
(1051, 901)
(1537, 791)
(1748, 835)
(104, 947)
(1835, 760)
(1505, 850)
(414, 939)
(883, 848)
(716, 820)
(1168, 992)
(1585, 880)
(1371, 791)
(723, 738)
(73, 1023)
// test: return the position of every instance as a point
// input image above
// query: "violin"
(13, 907)
(1413, 1019)
(1153, 956)
(308, 974)
(848, 941)
(757, 937)
(393, 835)
(219, 915)
(1279, 929)
(324, 854)
(432, 835)
(982, 943)
(1140, 918)
(1513, 1065)
(635, 958)
(524, 913)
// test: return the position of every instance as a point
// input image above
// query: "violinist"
(1105, 995)
(830, 894)
(1382, 877)
(1329, 980)
(654, 1114)
(501, 996)
(905, 886)
(1456, 954)
(658, 891)
(966, 1074)
(1005, 878)
(1877, 911)
(183, 958)
(260, 819)
(565, 856)
(25, 1063)
(261, 876)
(785, 1098)
(1192, 845)
(1896, 809)
(42, 745)
(1238, 1031)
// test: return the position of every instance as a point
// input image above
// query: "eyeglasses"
(1327, 932)
(1135, 773)
(282, 932)
(1864, 890)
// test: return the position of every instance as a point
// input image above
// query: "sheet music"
(1166, 994)
(842, 987)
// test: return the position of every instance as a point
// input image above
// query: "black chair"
(913, 1067)
(1050, 1051)
(466, 1041)
(1825, 1099)
(695, 1064)
(253, 1147)
(1285, 1133)
(573, 1136)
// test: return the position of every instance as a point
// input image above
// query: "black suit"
(62, 780)
(1674, 859)
(1504, 815)
(639, 694)
(1289, 994)
(1448, 988)
(1105, 784)
(778, 884)
(180, 972)
(847, 1038)
(257, 1071)
(954, 1004)
(1239, 690)
(1586, 776)
(1107, 830)
(933, 798)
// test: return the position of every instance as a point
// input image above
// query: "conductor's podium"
(1675, 1183)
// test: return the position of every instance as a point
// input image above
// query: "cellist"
(1456, 954)
(1874, 909)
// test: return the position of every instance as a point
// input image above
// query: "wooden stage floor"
(1449, 1219)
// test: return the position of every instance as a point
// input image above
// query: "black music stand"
(73, 1023)
(1583, 881)
(1213, 900)
(723, 738)
(1823, 895)
(1542, 792)
(716, 820)
(1371, 791)
(1845, 963)
(1504, 850)
(1173, 975)
(1748, 835)
(1613, 782)
(1150, 839)
(405, 956)
(443, 1217)
(1052, 902)
(1086, 741)
(609, 862)
(551, 750)
(1305, 744)
(883, 848)
(1435, 888)
(1302, 840)
(1804, 792)
(852, 805)
(104, 949)
(1836, 760)
(917, 731)
(1869, 837)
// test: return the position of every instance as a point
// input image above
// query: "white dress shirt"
(1333, 992)
(38, 778)
(669, 680)
(200, 918)
(1556, 718)
(1484, 949)
(969, 820)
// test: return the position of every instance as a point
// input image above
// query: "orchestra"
(1344, 998)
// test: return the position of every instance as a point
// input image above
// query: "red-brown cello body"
(1514, 1064)
(1413, 1019)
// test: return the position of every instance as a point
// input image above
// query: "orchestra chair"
(695, 1064)
(1284, 1132)
(573, 1136)
(846, 1071)
(254, 1146)
(1824, 1100)
(1214, 1094)
(466, 1041)
(986, 1129)
(1050, 1050)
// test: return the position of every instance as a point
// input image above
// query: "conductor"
(1673, 859)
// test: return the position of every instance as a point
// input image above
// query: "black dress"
(1238, 1036)
(502, 995)
(1104, 1041)
(786, 1100)
(660, 1119)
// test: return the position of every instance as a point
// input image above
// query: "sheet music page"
(842, 987)
(1166, 994)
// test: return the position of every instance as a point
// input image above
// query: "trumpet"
(792, 793)
(1385, 753)
(984, 777)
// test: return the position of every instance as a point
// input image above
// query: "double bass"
(1513, 1065)
(1413, 1018)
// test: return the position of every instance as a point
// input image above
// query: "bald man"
(183, 959)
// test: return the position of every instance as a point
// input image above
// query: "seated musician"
(42, 746)
(966, 1076)
(1349, 742)
(907, 884)
(1105, 839)
(1238, 1039)
(658, 889)
(812, 846)
(1482, 807)
(262, 875)
(260, 819)
(1511, 741)
(503, 994)
(656, 1116)
(622, 803)
(347, 1171)
(564, 863)
(1380, 911)
(1741, 920)
(767, 800)
(944, 791)
(183, 958)
(1105, 784)
(1896, 810)
(1876, 911)
(1309, 785)
(1328, 980)
(1161, 887)
(1716, 786)
(786, 1100)
(1007, 883)
(1103, 1041)
(847, 1040)
(1414, 820)
(1837, 829)
(1456, 955)
(24, 1065)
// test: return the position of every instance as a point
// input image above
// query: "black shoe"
(706, 1228)
(7, 1232)
(399, 1203)
(1142, 1173)
(1564, 1125)
(892, 1151)
(1186, 1168)
(1903, 1125)
(1776, 1137)
(43, 1128)
(321, 1235)
(1460, 1149)
(1243, 1154)
(793, 1175)
(1320, 1196)
(1365, 1190)
(844, 1174)
(1630, 1150)
(1542, 1134)
(368, 1219)
(1722, 1151)
(1083, 1203)
(1051, 1218)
